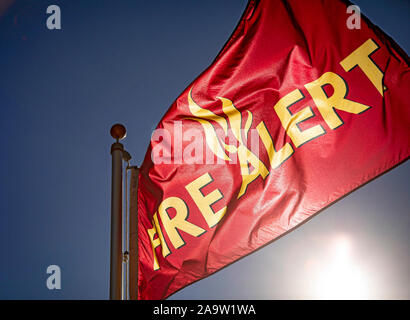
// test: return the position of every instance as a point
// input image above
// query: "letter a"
(54, 21)
(54, 281)
(353, 22)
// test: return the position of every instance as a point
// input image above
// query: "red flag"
(295, 112)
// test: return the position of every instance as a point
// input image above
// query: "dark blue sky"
(126, 61)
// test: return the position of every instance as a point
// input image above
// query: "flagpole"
(118, 132)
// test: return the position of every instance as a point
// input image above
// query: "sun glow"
(341, 278)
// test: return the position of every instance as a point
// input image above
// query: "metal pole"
(118, 132)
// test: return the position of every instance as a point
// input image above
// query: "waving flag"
(295, 112)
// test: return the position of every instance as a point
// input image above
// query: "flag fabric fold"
(296, 111)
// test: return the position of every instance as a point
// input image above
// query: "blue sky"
(126, 61)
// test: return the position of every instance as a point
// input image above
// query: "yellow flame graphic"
(204, 116)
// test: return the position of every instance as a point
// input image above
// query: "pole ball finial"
(118, 131)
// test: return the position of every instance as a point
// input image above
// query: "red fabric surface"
(278, 47)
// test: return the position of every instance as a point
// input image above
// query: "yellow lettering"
(178, 222)
(327, 105)
(361, 57)
(289, 121)
(154, 243)
(165, 249)
(204, 202)
(276, 158)
(246, 157)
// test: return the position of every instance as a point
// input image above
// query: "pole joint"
(125, 256)
(117, 146)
